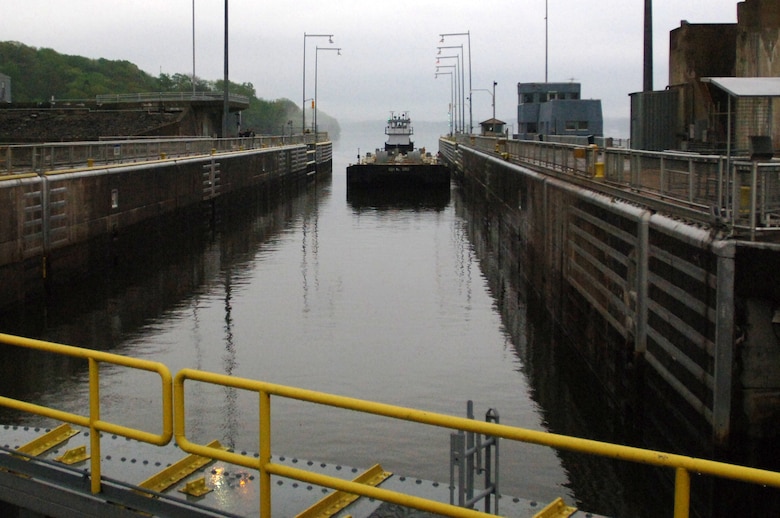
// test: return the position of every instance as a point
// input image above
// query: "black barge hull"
(401, 175)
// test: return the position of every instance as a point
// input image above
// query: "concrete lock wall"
(44, 215)
(651, 303)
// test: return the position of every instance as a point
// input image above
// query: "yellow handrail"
(93, 421)
(174, 419)
(682, 464)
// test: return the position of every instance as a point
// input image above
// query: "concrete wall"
(43, 216)
(674, 322)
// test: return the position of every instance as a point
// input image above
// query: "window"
(576, 125)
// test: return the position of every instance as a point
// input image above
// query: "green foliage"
(38, 75)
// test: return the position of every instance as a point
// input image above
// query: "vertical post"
(753, 198)
(642, 255)
(94, 416)
(682, 493)
(303, 98)
(193, 47)
(225, 94)
(471, 117)
(469, 454)
(265, 454)
(648, 47)
(724, 342)
(546, 40)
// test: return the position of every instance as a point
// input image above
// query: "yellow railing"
(93, 421)
(174, 419)
(682, 465)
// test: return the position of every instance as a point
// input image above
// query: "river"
(375, 298)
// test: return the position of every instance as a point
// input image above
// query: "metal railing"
(736, 192)
(173, 410)
(39, 158)
(93, 420)
(151, 97)
(682, 465)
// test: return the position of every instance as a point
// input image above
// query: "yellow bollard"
(162, 156)
(213, 151)
(90, 162)
(599, 175)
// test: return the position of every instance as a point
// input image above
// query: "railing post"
(94, 416)
(265, 454)
(682, 493)
(753, 198)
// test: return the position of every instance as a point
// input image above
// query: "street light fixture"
(468, 36)
(330, 40)
(316, 57)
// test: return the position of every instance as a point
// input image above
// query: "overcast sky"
(389, 48)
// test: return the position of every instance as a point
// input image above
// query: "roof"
(747, 86)
(492, 121)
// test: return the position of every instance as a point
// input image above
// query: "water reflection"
(398, 198)
(129, 285)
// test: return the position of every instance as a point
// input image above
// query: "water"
(381, 301)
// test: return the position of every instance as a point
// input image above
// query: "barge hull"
(425, 175)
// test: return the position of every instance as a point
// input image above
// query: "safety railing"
(26, 158)
(682, 465)
(174, 418)
(738, 193)
(93, 420)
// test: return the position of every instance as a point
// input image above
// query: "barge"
(399, 164)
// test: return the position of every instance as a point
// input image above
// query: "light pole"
(455, 74)
(452, 93)
(225, 95)
(468, 36)
(193, 47)
(462, 82)
(330, 40)
(316, 57)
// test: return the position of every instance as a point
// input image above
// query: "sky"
(388, 51)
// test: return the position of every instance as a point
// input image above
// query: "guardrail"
(39, 158)
(174, 410)
(170, 96)
(733, 192)
(93, 420)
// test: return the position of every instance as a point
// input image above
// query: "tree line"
(38, 75)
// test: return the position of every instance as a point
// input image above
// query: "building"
(693, 114)
(556, 109)
(492, 128)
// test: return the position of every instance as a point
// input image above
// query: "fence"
(733, 192)
(39, 158)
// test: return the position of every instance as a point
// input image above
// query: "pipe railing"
(19, 159)
(92, 419)
(738, 193)
(174, 419)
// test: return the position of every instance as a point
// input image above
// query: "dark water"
(399, 299)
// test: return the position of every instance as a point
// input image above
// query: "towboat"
(399, 164)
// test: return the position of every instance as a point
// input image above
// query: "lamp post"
(468, 40)
(225, 94)
(462, 82)
(456, 104)
(193, 47)
(330, 40)
(316, 57)
(452, 92)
